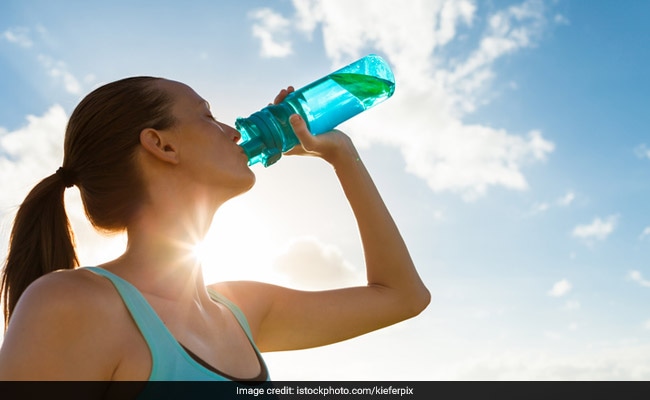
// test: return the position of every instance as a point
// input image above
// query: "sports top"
(170, 360)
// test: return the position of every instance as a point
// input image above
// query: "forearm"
(388, 262)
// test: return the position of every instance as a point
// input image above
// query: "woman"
(150, 159)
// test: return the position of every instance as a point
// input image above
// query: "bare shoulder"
(63, 323)
(235, 288)
(252, 297)
(75, 296)
(63, 280)
(246, 294)
(243, 293)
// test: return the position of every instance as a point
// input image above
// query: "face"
(208, 150)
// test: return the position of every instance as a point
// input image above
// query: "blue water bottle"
(324, 104)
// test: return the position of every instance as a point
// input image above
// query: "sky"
(514, 157)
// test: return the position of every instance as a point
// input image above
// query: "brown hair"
(99, 157)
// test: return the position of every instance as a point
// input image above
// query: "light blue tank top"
(171, 362)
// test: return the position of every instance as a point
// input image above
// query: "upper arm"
(55, 333)
(289, 319)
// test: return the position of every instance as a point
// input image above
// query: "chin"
(246, 183)
(251, 184)
(253, 178)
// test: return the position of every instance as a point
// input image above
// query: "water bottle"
(323, 104)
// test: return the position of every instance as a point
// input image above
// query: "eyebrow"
(204, 102)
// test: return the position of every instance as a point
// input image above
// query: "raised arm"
(388, 263)
(294, 319)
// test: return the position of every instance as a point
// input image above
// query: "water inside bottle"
(369, 90)
(338, 97)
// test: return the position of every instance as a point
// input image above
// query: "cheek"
(214, 148)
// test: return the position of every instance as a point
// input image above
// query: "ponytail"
(41, 240)
(101, 140)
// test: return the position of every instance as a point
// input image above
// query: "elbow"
(413, 302)
(419, 301)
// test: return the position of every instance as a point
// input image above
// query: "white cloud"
(19, 36)
(619, 362)
(30, 153)
(539, 208)
(560, 288)
(311, 264)
(572, 305)
(645, 233)
(561, 19)
(598, 229)
(642, 151)
(566, 200)
(56, 69)
(271, 29)
(508, 30)
(638, 278)
(438, 215)
(59, 71)
(552, 335)
(433, 92)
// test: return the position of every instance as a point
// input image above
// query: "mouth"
(243, 153)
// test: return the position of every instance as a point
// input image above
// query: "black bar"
(299, 390)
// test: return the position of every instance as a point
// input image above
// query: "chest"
(213, 339)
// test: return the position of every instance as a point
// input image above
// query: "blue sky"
(514, 155)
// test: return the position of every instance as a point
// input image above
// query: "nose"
(232, 133)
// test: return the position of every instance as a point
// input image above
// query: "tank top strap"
(150, 325)
(237, 312)
(243, 322)
(169, 360)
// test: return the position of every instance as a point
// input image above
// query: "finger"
(301, 130)
(278, 99)
(283, 94)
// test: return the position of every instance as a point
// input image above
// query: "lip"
(243, 153)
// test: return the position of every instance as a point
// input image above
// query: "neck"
(160, 258)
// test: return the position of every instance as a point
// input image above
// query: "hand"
(329, 145)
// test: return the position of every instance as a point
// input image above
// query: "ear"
(159, 145)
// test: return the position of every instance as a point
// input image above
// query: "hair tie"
(67, 177)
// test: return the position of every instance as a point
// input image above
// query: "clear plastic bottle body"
(323, 104)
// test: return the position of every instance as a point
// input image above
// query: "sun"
(231, 250)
